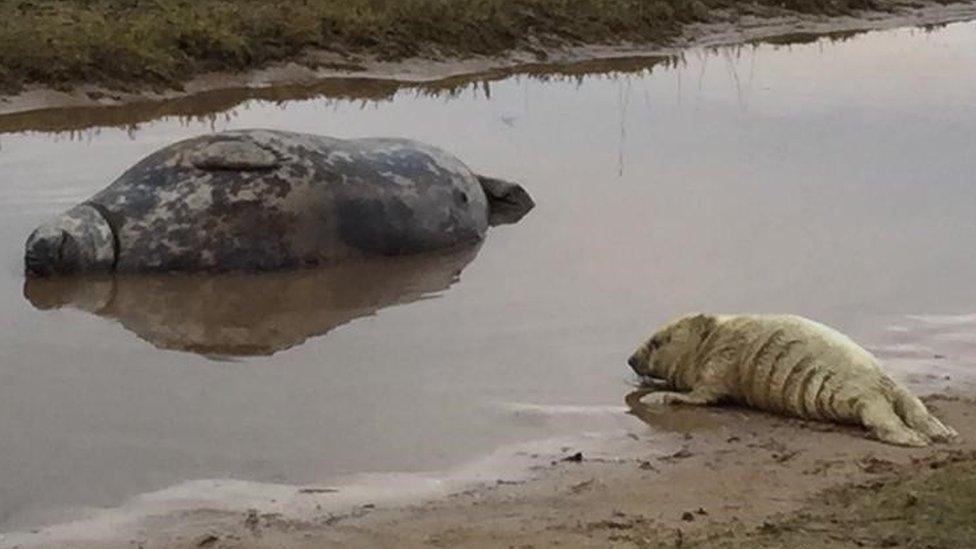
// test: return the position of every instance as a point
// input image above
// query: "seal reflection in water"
(250, 314)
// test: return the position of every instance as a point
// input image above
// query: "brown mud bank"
(326, 73)
(722, 477)
(737, 479)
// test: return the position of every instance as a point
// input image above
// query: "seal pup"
(784, 364)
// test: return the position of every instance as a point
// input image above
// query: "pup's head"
(665, 349)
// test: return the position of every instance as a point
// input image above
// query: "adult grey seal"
(255, 200)
(251, 314)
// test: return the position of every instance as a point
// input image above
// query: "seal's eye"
(657, 342)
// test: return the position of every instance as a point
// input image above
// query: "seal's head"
(50, 251)
(78, 241)
(672, 345)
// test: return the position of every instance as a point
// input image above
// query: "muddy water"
(833, 179)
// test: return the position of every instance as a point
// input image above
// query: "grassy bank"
(121, 43)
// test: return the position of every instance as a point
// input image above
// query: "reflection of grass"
(161, 42)
(212, 105)
(793, 38)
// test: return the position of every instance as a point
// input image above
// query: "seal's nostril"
(632, 362)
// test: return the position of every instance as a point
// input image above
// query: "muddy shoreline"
(369, 77)
(720, 477)
(738, 477)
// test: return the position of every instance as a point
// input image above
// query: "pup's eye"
(658, 341)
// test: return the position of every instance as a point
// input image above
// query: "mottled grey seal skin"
(251, 314)
(257, 200)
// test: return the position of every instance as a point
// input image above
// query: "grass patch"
(60, 43)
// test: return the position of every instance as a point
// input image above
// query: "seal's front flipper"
(666, 397)
(653, 384)
(507, 202)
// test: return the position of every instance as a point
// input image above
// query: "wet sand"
(736, 472)
(727, 476)
(297, 80)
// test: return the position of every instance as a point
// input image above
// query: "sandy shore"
(735, 471)
(725, 31)
(695, 478)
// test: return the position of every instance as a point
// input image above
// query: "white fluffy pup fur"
(785, 364)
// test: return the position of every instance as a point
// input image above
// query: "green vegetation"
(162, 42)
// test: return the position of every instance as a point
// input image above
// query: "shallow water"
(830, 179)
